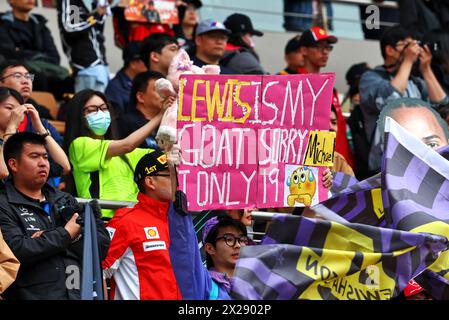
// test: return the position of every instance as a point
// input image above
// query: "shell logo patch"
(162, 159)
(151, 233)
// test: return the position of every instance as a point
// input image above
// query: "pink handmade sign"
(243, 139)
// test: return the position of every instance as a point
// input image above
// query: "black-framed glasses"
(18, 76)
(93, 108)
(231, 240)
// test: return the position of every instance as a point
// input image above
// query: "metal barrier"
(110, 204)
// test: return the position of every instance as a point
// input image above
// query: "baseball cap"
(238, 22)
(150, 164)
(131, 51)
(292, 44)
(209, 25)
(312, 36)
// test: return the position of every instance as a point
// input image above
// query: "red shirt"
(138, 256)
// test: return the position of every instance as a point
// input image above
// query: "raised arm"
(54, 149)
(17, 115)
(436, 92)
(128, 144)
(411, 54)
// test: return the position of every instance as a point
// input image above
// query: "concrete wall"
(270, 48)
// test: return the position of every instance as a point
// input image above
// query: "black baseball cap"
(292, 44)
(238, 22)
(150, 164)
(131, 51)
(312, 36)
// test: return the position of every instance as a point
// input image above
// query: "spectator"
(144, 105)
(15, 75)
(119, 88)
(157, 52)
(9, 266)
(222, 238)
(12, 114)
(293, 57)
(103, 167)
(393, 80)
(83, 42)
(188, 21)
(316, 45)
(240, 55)
(361, 143)
(300, 15)
(40, 225)
(26, 37)
(144, 274)
(246, 218)
(340, 164)
(211, 38)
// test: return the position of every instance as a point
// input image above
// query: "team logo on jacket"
(154, 245)
(151, 233)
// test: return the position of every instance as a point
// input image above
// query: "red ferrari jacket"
(138, 257)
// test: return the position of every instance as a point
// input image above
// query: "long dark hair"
(76, 123)
(76, 127)
(237, 40)
(6, 92)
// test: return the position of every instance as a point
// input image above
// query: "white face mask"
(99, 122)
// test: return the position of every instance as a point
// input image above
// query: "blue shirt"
(119, 90)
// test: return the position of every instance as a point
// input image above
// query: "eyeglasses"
(93, 108)
(324, 48)
(18, 76)
(231, 240)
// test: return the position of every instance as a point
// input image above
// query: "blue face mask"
(98, 122)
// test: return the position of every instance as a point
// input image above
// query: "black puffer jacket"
(50, 265)
(20, 43)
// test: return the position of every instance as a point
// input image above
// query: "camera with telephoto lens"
(72, 206)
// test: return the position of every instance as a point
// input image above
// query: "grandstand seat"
(47, 99)
(59, 126)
